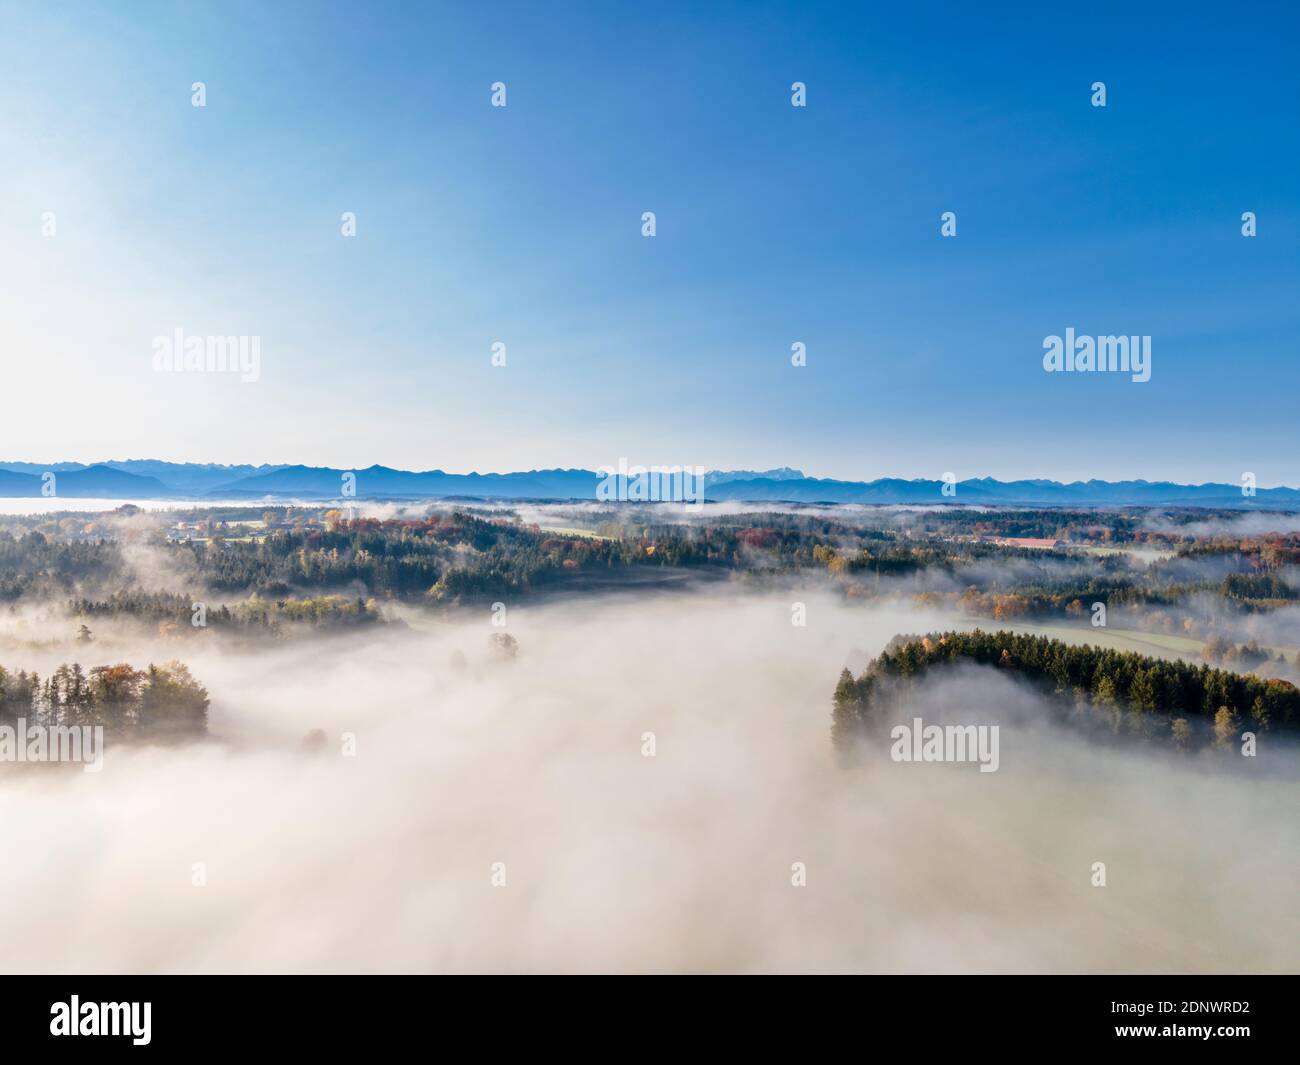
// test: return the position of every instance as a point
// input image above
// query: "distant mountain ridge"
(155, 479)
(84, 482)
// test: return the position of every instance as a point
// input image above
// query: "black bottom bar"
(1227, 1014)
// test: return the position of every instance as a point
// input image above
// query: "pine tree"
(846, 721)
(1142, 692)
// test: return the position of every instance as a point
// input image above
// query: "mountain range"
(153, 479)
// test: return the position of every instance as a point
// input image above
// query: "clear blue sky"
(775, 224)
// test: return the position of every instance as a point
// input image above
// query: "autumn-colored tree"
(116, 689)
(1225, 727)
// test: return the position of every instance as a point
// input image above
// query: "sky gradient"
(775, 224)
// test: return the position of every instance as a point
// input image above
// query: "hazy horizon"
(920, 476)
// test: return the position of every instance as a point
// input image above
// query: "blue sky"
(775, 224)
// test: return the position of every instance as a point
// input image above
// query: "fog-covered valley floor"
(534, 772)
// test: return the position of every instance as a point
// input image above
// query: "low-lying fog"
(614, 860)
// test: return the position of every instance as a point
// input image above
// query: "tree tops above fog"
(1106, 690)
(157, 703)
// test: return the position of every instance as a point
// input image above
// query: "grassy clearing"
(1142, 554)
(585, 534)
(1160, 644)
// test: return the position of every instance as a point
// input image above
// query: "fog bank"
(614, 861)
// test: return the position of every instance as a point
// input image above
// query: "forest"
(308, 569)
(159, 703)
(256, 616)
(1116, 692)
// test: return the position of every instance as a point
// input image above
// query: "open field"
(585, 534)
(1147, 643)
(1160, 644)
